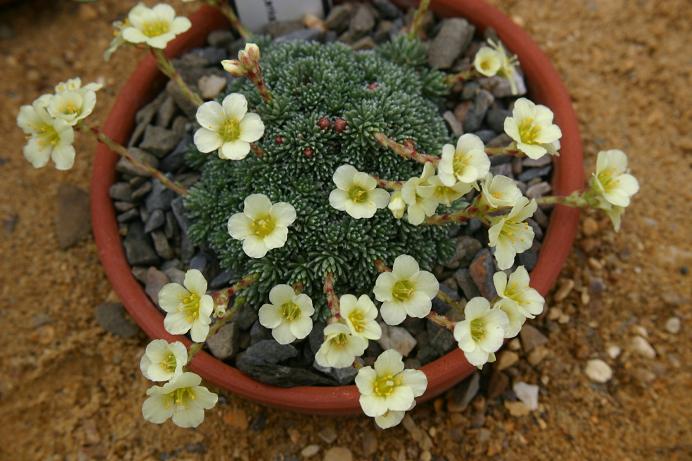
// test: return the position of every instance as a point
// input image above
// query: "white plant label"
(256, 13)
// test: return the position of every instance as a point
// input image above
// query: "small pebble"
(613, 351)
(338, 454)
(310, 451)
(598, 371)
(642, 347)
(527, 393)
(673, 325)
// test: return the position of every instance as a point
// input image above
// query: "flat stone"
(142, 191)
(441, 307)
(221, 38)
(210, 86)
(364, 43)
(506, 359)
(126, 167)
(178, 208)
(338, 454)
(221, 280)
(466, 283)
(538, 190)
(473, 118)
(154, 281)
(279, 28)
(184, 104)
(453, 123)
(259, 333)
(673, 325)
(161, 245)
(482, 270)
(175, 275)
(387, 9)
(538, 162)
(120, 191)
(527, 393)
(224, 344)
(397, 338)
(531, 338)
(342, 376)
(461, 395)
(301, 35)
(128, 215)
(500, 87)
(642, 347)
(339, 17)
(73, 216)
(498, 384)
(166, 112)
(441, 339)
(495, 117)
(451, 41)
(159, 198)
(156, 219)
(598, 371)
(159, 141)
(113, 318)
(138, 249)
(465, 249)
(246, 316)
(362, 21)
(531, 173)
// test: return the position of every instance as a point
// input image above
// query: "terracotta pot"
(544, 85)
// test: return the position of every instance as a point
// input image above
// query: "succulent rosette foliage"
(327, 101)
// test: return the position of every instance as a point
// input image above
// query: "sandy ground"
(69, 390)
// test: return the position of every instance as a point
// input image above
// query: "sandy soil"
(69, 390)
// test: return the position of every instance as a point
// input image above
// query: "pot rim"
(544, 85)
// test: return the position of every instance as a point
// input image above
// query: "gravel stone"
(154, 281)
(156, 219)
(387, 9)
(224, 344)
(301, 35)
(210, 86)
(338, 18)
(538, 190)
(165, 114)
(642, 347)
(673, 325)
(113, 318)
(362, 22)
(495, 118)
(161, 245)
(138, 249)
(465, 250)
(466, 283)
(482, 269)
(121, 191)
(159, 141)
(473, 118)
(397, 338)
(462, 394)
(159, 198)
(73, 216)
(527, 393)
(531, 338)
(124, 166)
(598, 371)
(451, 41)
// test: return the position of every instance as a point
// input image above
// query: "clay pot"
(545, 87)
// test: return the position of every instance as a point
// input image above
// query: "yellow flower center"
(70, 108)
(486, 64)
(478, 329)
(528, 131)
(155, 28)
(514, 231)
(263, 225)
(459, 164)
(230, 130)
(403, 290)
(386, 384)
(169, 363)
(357, 319)
(191, 307)
(289, 311)
(340, 340)
(48, 135)
(357, 194)
(180, 397)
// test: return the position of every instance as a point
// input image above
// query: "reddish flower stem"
(332, 299)
(406, 151)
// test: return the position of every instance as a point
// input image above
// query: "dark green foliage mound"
(388, 90)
